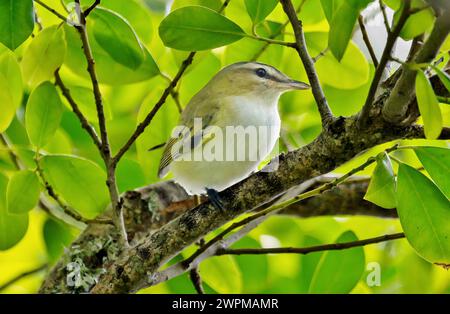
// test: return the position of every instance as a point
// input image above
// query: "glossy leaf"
(341, 29)
(23, 192)
(12, 227)
(115, 35)
(222, 274)
(381, 190)
(44, 55)
(258, 10)
(16, 22)
(43, 114)
(10, 69)
(80, 182)
(109, 71)
(428, 106)
(436, 161)
(424, 214)
(339, 271)
(6, 104)
(198, 28)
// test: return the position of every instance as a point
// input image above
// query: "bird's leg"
(214, 197)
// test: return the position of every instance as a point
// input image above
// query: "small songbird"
(227, 128)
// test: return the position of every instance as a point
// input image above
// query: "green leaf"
(10, 69)
(115, 35)
(258, 10)
(351, 72)
(381, 190)
(212, 4)
(129, 175)
(43, 114)
(23, 192)
(417, 23)
(428, 106)
(222, 274)
(443, 76)
(12, 227)
(198, 28)
(341, 29)
(16, 22)
(436, 161)
(424, 214)
(44, 55)
(339, 271)
(80, 182)
(329, 7)
(108, 70)
(57, 237)
(7, 107)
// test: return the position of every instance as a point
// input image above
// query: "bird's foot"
(213, 196)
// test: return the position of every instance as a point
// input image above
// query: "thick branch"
(324, 110)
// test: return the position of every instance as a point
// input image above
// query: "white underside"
(195, 176)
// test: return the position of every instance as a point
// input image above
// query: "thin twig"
(320, 55)
(392, 38)
(66, 209)
(84, 122)
(367, 41)
(23, 275)
(60, 16)
(92, 7)
(324, 110)
(385, 17)
(311, 249)
(196, 280)
(11, 153)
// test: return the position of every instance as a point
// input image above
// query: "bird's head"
(254, 78)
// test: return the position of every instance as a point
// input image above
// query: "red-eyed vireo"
(227, 128)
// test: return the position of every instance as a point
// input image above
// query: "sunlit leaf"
(424, 214)
(381, 190)
(80, 182)
(417, 23)
(212, 4)
(6, 104)
(44, 55)
(428, 106)
(117, 38)
(43, 114)
(258, 10)
(222, 274)
(12, 227)
(10, 69)
(339, 271)
(198, 28)
(16, 22)
(436, 161)
(23, 192)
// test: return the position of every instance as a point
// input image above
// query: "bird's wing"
(208, 114)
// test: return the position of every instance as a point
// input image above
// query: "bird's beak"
(293, 84)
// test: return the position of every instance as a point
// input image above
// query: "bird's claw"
(214, 197)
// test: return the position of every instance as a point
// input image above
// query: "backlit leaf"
(381, 190)
(23, 192)
(16, 22)
(258, 10)
(428, 106)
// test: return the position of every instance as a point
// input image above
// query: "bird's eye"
(261, 72)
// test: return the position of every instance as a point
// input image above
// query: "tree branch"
(92, 7)
(312, 249)
(385, 17)
(392, 38)
(367, 41)
(196, 280)
(84, 122)
(324, 110)
(53, 11)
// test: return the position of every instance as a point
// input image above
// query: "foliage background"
(345, 84)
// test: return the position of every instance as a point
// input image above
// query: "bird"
(214, 144)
